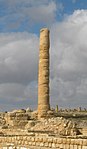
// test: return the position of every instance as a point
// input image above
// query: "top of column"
(44, 29)
(44, 38)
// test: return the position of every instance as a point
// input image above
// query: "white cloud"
(69, 59)
(17, 52)
(19, 65)
(25, 13)
(43, 13)
(79, 17)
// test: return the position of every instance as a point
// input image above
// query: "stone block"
(25, 138)
(80, 142)
(84, 147)
(67, 146)
(72, 141)
(32, 139)
(53, 145)
(61, 146)
(30, 143)
(46, 144)
(85, 142)
(23, 148)
(71, 146)
(55, 140)
(28, 138)
(57, 146)
(77, 142)
(68, 141)
(42, 144)
(64, 141)
(79, 147)
(19, 142)
(37, 144)
(26, 143)
(75, 146)
(34, 143)
(59, 141)
(18, 138)
(10, 147)
(50, 145)
(44, 139)
(50, 140)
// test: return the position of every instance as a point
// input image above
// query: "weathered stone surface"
(2, 121)
(17, 119)
(43, 76)
(30, 124)
(56, 125)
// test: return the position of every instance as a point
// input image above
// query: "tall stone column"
(43, 76)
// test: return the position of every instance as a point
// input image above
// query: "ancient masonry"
(43, 76)
(39, 142)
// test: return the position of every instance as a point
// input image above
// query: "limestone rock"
(57, 125)
(29, 110)
(34, 115)
(20, 111)
(2, 121)
(30, 124)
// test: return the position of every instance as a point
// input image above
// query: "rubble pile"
(2, 121)
(56, 125)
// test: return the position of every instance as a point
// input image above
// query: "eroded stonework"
(43, 76)
(22, 129)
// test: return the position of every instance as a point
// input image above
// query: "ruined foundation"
(43, 76)
(41, 142)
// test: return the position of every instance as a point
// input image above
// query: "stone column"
(43, 76)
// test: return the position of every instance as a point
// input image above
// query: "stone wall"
(16, 119)
(41, 142)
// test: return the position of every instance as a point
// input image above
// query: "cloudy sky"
(20, 23)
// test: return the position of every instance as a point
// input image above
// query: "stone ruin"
(45, 118)
(20, 119)
(54, 123)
